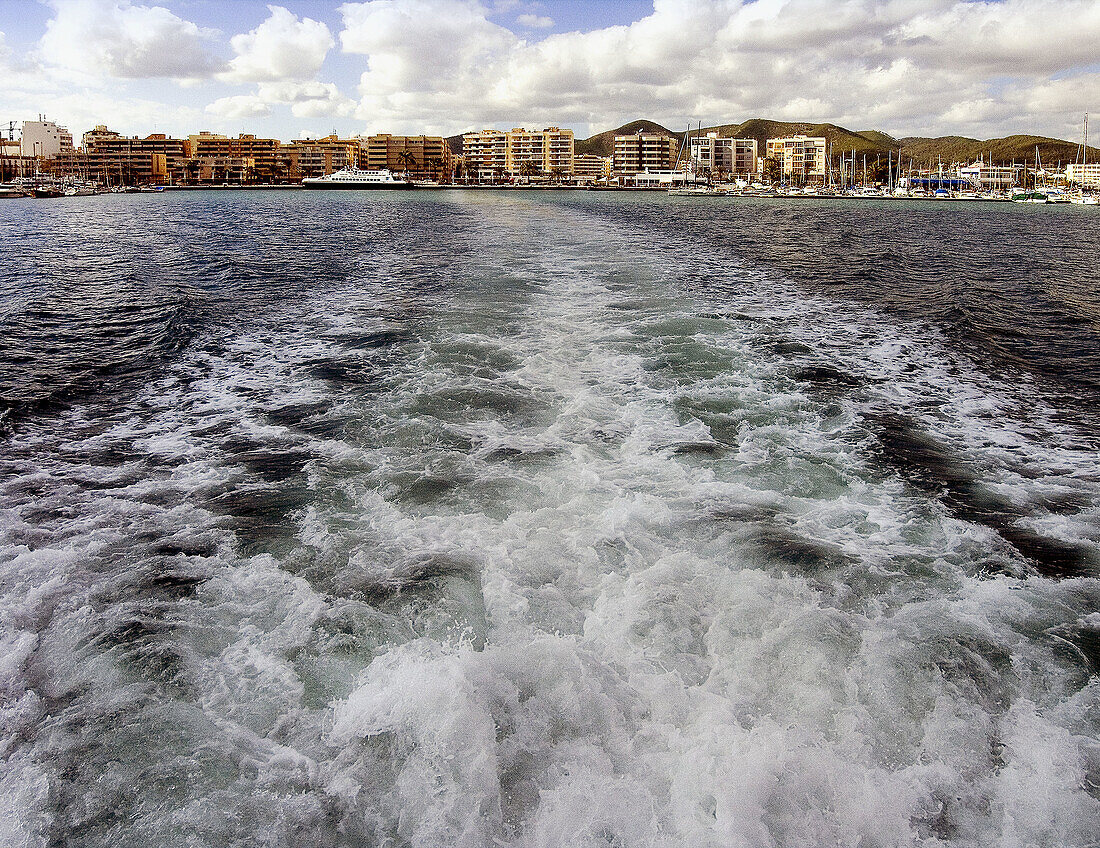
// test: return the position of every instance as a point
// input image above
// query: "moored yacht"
(354, 178)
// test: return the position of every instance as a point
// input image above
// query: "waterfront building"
(589, 168)
(111, 157)
(13, 163)
(643, 151)
(420, 156)
(1085, 176)
(260, 155)
(486, 155)
(989, 177)
(306, 157)
(801, 158)
(206, 144)
(549, 150)
(212, 157)
(728, 156)
(45, 139)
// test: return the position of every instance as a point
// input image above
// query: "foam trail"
(552, 549)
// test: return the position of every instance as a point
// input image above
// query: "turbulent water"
(469, 519)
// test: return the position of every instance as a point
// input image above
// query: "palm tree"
(528, 169)
(408, 161)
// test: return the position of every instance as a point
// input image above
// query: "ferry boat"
(353, 178)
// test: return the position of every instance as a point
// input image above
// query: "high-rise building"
(421, 156)
(45, 139)
(801, 158)
(549, 150)
(643, 151)
(485, 154)
(731, 156)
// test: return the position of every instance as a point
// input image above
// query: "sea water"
(517, 519)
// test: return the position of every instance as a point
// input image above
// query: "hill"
(951, 148)
(603, 144)
(1013, 148)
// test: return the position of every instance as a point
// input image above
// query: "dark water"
(480, 519)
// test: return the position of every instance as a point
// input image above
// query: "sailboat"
(1079, 197)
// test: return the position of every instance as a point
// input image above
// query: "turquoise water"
(469, 519)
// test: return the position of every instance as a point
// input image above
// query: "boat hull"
(365, 186)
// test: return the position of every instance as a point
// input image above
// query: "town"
(45, 161)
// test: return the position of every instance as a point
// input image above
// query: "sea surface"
(529, 519)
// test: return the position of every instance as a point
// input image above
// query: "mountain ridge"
(1018, 148)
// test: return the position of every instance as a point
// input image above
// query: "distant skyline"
(907, 67)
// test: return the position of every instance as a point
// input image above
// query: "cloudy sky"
(907, 67)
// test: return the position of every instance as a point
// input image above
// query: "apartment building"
(550, 150)
(1085, 176)
(45, 139)
(217, 158)
(643, 151)
(729, 156)
(801, 158)
(485, 154)
(422, 156)
(261, 155)
(111, 157)
(318, 157)
(589, 168)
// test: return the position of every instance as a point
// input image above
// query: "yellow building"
(421, 156)
(801, 158)
(589, 168)
(319, 157)
(550, 150)
(644, 151)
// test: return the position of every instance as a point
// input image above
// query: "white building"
(45, 138)
(732, 156)
(989, 177)
(1086, 176)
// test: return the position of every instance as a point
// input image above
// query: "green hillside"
(1018, 148)
(603, 144)
(951, 148)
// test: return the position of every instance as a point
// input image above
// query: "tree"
(773, 172)
(408, 161)
(529, 169)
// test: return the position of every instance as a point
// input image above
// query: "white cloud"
(535, 21)
(309, 99)
(907, 66)
(239, 106)
(281, 48)
(114, 38)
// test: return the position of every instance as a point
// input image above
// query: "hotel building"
(731, 156)
(643, 152)
(801, 158)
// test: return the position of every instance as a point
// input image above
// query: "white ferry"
(357, 179)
